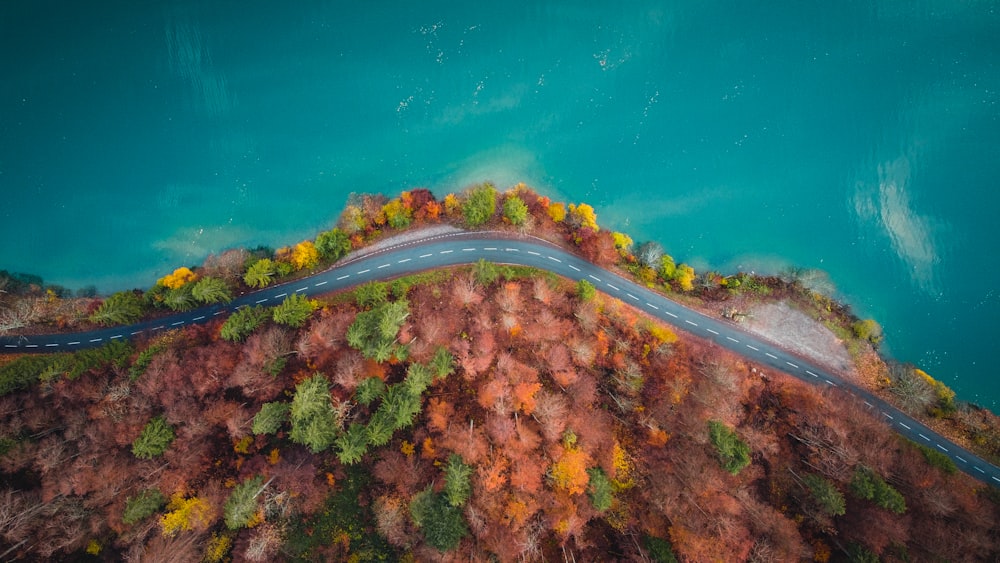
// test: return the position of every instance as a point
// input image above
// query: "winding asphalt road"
(468, 247)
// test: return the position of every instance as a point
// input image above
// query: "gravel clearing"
(795, 331)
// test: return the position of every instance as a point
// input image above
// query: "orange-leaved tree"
(569, 473)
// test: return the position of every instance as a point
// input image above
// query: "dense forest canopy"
(473, 413)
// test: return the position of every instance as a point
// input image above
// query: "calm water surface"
(861, 138)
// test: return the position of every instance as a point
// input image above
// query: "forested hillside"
(480, 412)
(477, 413)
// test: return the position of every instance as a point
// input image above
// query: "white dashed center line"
(343, 277)
(425, 256)
(924, 437)
(320, 283)
(533, 253)
(904, 425)
(595, 278)
(404, 260)
(630, 296)
(793, 365)
(573, 267)
(752, 348)
(671, 314)
(447, 251)
(690, 323)
(712, 331)
(384, 266)
(733, 339)
(770, 355)
(363, 272)
(613, 287)
(554, 259)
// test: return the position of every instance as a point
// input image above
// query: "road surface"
(468, 247)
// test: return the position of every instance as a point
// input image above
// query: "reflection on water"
(890, 210)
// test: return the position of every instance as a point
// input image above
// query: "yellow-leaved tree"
(557, 212)
(180, 277)
(623, 243)
(684, 276)
(452, 206)
(304, 255)
(184, 514)
(584, 216)
(397, 214)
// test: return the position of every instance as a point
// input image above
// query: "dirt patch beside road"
(797, 332)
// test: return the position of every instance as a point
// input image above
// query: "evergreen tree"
(443, 363)
(734, 454)
(260, 273)
(441, 523)
(270, 418)
(211, 290)
(124, 307)
(313, 420)
(241, 506)
(333, 244)
(154, 440)
(141, 506)
(294, 310)
(456, 481)
(353, 444)
(599, 489)
(243, 322)
(826, 495)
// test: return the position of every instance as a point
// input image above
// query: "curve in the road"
(465, 248)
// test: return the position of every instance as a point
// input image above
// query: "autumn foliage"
(485, 417)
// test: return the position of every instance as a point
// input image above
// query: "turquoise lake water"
(860, 138)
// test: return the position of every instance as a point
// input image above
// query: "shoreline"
(374, 233)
